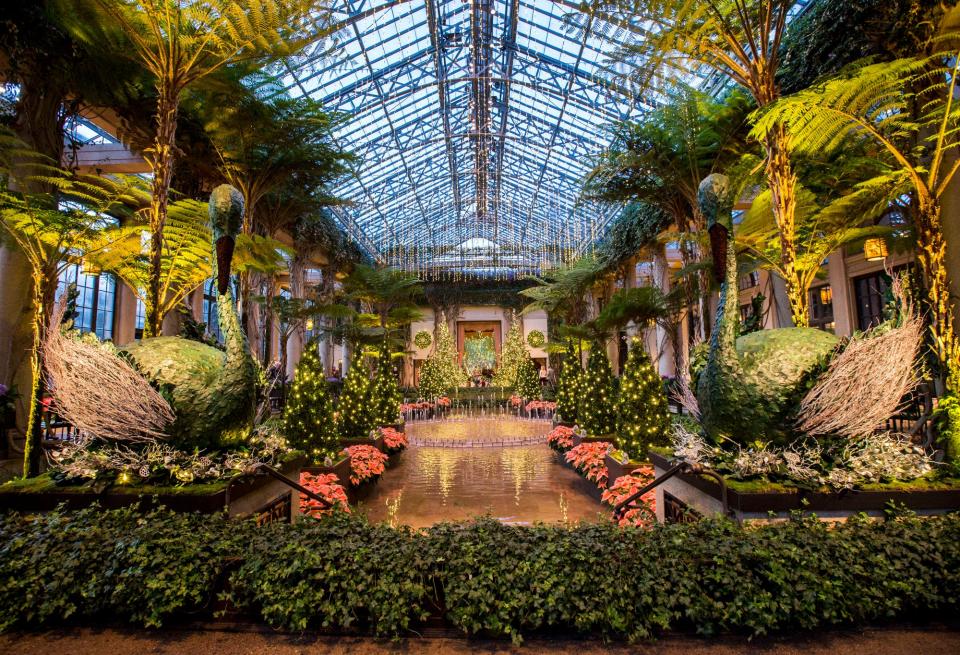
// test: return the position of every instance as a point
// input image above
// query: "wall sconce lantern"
(826, 295)
(875, 249)
(309, 324)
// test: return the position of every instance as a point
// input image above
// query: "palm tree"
(660, 160)
(180, 42)
(908, 107)
(740, 39)
(52, 230)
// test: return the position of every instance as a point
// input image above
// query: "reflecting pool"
(515, 484)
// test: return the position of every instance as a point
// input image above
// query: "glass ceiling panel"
(471, 118)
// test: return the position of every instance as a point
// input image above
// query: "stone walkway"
(892, 641)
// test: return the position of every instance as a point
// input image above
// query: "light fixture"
(826, 295)
(309, 324)
(875, 249)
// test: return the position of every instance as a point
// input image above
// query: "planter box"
(615, 469)
(703, 496)
(363, 441)
(341, 469)
(268, 499)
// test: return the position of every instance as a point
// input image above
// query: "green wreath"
(535, 339)
(422, 339)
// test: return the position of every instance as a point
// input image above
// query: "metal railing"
(676, 469)
(265, 469)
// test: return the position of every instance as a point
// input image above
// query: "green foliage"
(527, 384)
(385, 393)
(353, 407)
(341, 572)
(775, 367)
(568, 386)
(832, 35)
(536, 339)
(512, 354)
(560, 291)
(308, 421)
(479, 353)
(643, 420)
(485, 577)
(946, 419)
(595, 411)
(93, 565)
(422, 339)
(441, 371)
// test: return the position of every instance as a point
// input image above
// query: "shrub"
(341, 572)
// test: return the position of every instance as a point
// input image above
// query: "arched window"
(96, 300)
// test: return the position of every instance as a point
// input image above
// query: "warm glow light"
(875, 249)
(826, 295)
(309, 324)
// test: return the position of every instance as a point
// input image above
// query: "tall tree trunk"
(44, 289)
(160, 158)
(931, 255)
(783, 188)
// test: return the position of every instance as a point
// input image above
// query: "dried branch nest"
(866, 383)
(99, 392)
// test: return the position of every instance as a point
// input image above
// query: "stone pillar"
(125, 318)
(843, 308)
(16, 337)
(950, 219)
(665, 355)
(294, 352)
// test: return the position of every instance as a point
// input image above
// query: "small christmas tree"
(512, 354)
(568, 383)
(353, 408)
(527, 385)
(441, 371)
(642, 417)
(385, 394)
(595, 410)
(308, 421)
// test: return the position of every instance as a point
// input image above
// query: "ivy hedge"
(483, 577)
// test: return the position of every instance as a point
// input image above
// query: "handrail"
(682, 467)
(260, 469)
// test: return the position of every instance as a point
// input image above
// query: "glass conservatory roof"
(471, 119)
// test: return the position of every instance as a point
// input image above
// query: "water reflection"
(477, 429)
(520, 484)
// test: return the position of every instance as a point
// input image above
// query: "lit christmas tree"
(512, 355)
(642, 417)
(385, 394)
(568, 384)
(353, 408)
(441, 371)
(528, 382)
(308, 422)
(595, 411)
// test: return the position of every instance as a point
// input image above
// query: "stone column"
(665, 355)
(125, 318)
(16, 337)
(843, 308)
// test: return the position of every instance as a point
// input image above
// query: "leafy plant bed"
(753, 500)
(238, 496)
(344, 574)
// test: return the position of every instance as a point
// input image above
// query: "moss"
(45, 484)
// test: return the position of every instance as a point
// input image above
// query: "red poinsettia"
(590, 460)
(561, 438)
(541, 404)
(515, 400)
(443, 401)
(366, 463)
(625, 486)
(394, 440)
(328, 487)
(411, 407)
